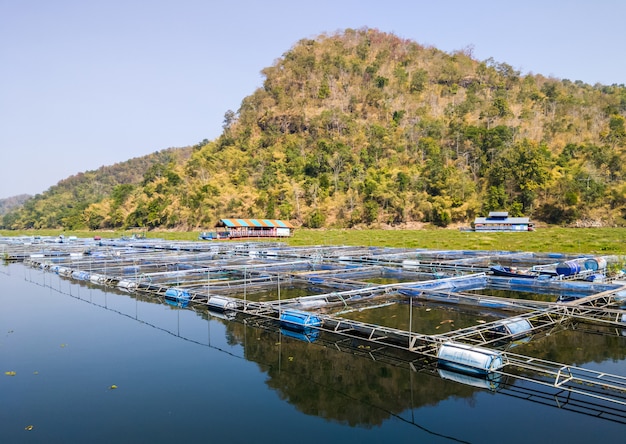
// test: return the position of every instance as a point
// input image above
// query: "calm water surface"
(183, 376)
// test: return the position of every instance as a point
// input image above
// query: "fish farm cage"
(460, 313)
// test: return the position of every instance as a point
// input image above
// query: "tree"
(418, 81)
(616, 134)
(229, 118)
(529, 163)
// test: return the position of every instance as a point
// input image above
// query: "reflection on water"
(422, 318)
(512, 294)
(282, 292)
(185, 375)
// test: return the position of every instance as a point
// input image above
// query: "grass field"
(601, 241)
(557, 240)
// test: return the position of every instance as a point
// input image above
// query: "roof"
(508, 220)
(253, 223)
(498, 215)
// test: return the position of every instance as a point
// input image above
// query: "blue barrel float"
(298, 320)
(568, 268)
(177, 297)
(80, 275)
(595, 264)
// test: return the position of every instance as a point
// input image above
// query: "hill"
(12, 203)
(66, 204)
(361, 127)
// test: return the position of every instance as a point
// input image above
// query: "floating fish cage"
(298, 284)
(334, 282)
(454, 284)
(567, 289)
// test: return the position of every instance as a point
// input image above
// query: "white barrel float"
(219, 303)
(595, 263)
(468, 359)
(64, 271)
(568, 268)
(97, 278)
(410, 264)
(514, 326)
(312, 303)
(127, 285)
(299, 320)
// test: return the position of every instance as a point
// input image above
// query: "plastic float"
(177, 297)
(221, 304)
(298, 320)
(467, 359)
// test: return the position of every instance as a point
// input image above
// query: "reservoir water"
(86, 364)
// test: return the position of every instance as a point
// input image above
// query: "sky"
(84, 84)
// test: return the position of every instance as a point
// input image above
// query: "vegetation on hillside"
(68, 204)
(363, 128)
(11, 203)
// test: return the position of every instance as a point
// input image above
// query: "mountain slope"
(64, 205)
(11, 203)
(361, 127)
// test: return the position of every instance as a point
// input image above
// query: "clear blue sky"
(87, 83)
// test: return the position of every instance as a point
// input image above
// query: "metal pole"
(410, 319)
(279, 306)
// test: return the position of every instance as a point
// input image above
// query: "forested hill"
(68, 203)
(10, 203)
(364, 128)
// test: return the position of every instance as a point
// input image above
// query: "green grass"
(600, 241)
(556, 240)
